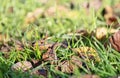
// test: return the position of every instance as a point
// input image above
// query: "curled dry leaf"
(32, 16)
(94, 4)
(90, 76)
(66, 67)
(52, 11)
(110, 17)
(42, 44)
(23, 65)
(76, 60)
(115, 41)
(5, 48)
(101, 32)
(50, 54)
(18, 45)
(87, 53)
(40, 72)
(35, 62)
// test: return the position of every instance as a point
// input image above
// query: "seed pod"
(115, 41)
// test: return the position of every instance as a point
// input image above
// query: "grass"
(12, 24)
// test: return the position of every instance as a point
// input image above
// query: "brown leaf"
(87, 53)
(53, 11)
(35, 62)
(23, 65)
(32, 16)
(115, 41)
(110, 17)
(66, 67)
(5, 47)
(40, 72)
(94, 4)
(50, 54)
(44, 46)
(18, 45)
(111, 20)
(76, 60)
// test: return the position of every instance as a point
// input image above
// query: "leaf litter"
(49, 53)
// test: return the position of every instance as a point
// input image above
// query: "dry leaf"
(5, 47)
(115, 41)
(87, 53)
(76, 60)
(94, 4)
(66, 67)
(32, 16)
(18, 45)
(40, 72)
(50, 54)
(56, 10)
(110, 17)
(23, 65)
(44, 46)
(35, 62)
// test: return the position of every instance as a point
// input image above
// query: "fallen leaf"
(111, 20)
(87, 53)
(23, 65)
(76, 61)
(18, 45)
(59, 10)
(35, 62)
(110, 17)
(5, 47)
(40, 72)
(115, 41)
(50, 54)
(32, 16)
(66, 67)
(94, 4)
